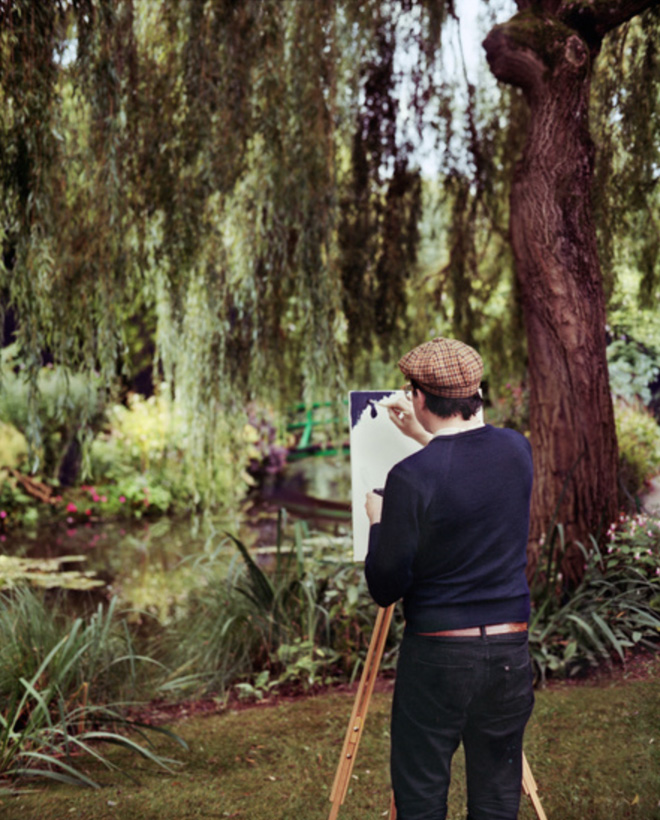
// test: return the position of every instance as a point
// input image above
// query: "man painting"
(449, 536)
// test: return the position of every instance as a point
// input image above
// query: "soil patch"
(639, 665)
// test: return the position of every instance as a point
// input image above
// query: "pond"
(152, 564)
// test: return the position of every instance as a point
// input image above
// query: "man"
(449, 536)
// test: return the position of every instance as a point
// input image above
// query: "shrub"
(17, 507)
(57, 418)
(638, 435)
(143, 455)
(615, 608)
(632, 369)
(13, 446)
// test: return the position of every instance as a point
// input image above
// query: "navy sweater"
(453, 536)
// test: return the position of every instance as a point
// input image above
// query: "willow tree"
(238, 169)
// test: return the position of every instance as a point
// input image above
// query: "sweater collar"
(450, 431)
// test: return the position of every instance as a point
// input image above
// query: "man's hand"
(374, 507)
(402, 414)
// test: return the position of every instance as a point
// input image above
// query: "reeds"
(57, 678)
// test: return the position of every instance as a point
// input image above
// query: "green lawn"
(594, 750)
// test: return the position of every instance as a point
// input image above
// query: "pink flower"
(88, 512)
(122, 499)
(104, 498)
(95, 497)
(3, 514)
(71, 507)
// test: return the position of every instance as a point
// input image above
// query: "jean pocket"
(512, 678)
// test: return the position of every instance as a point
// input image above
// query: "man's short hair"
(446, 408)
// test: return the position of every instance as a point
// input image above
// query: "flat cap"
(444, 367)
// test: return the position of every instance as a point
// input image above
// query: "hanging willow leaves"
(185, 159)
(626, 126)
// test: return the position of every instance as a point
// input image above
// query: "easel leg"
(358, 717)
(529, 788)
(360, 708)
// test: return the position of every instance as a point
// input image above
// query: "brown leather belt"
(476, 631)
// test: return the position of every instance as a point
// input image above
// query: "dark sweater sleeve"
(393, 543)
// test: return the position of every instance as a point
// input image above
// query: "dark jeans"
(478, 690)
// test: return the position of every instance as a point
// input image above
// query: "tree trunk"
(554, 242)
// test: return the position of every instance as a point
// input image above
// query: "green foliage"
(615, 608)
(53, 670)
(17, 508)
(98, 653)
(61, 411)
(633, 367)
(379, 212)
(139, 464)
(13, 446)
(625, 128)
(632, 370)
(298, 623)
(638, 437)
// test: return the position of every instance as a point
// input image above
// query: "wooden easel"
(359, 715)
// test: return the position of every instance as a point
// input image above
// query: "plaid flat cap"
(444, 367)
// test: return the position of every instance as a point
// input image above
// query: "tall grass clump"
(33, 623)
(58, 678)
(298, 623)
(614, 609)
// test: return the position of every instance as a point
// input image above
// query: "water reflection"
(152, 565)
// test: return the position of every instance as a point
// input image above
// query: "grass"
(594, 749)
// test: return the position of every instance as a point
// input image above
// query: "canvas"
(376, 446)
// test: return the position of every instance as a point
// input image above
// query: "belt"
(476, 631)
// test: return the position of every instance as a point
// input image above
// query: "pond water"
(152, 564)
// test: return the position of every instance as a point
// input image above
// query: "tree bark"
(554, 243)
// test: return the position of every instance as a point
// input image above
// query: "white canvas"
(376, 446)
